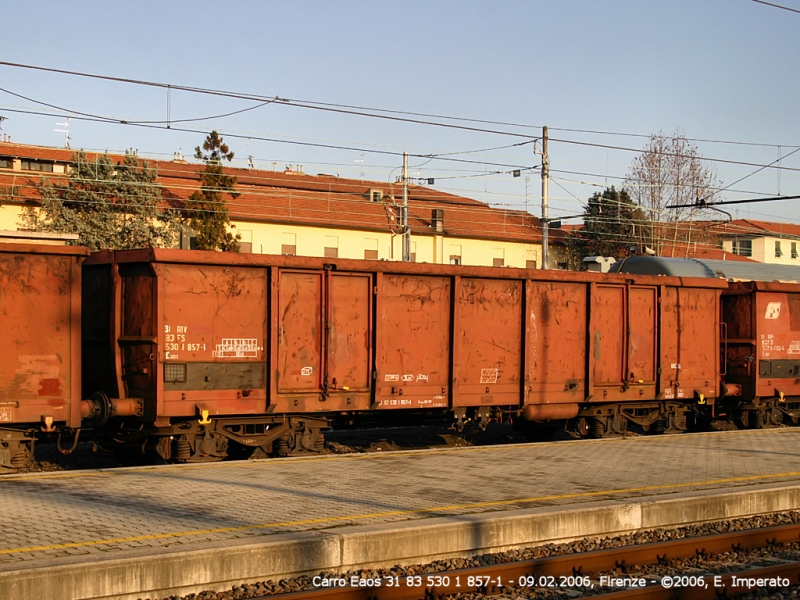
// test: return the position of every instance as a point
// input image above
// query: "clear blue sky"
(718, 69)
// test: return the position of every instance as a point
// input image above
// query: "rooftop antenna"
(249, 156)
(65, 131)
(2, 118)
(361, 160)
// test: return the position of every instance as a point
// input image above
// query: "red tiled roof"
(701, 251)
(314, 200)
(748, 227)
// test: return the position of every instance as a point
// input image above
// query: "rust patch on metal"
(50, 387)
(37, 376)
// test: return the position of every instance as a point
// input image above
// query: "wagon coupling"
(100, 408)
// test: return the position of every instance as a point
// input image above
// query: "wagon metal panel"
(299, 362)
(488, 342)
(211, 339)
(349, 327)
(690, 342)
(413, 342)
(40, 317)
(556, 342)
(608, 334)
(643, 315)
(137, 338)
(324, 330)
(739, 339)
(624, 339)
(777, 360)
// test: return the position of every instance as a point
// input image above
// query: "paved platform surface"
(83, 516)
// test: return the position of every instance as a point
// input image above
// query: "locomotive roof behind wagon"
(693, 267)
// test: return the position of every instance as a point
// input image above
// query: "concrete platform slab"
(125, 532)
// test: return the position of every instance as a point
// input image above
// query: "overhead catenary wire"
(794, 10)
(276, 140)
(352, 107)
(364, 111)
(250, 174)
(399, 154)
(266, 180)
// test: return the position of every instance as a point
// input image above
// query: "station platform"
(144, 532)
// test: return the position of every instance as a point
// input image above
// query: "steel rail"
(571, 565)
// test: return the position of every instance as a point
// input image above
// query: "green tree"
(108, 205)
(206, 210)
(612, 223)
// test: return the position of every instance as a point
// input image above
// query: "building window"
(794, 249)
(37, 165)
(530, 264)
(778, 251)
(371, 249)
(498, 257)
(289, 244)
(246, 241)
(6, 162)
(376, 195)
(743, 247)
(412, 252)
(456, 252)
(331, 246)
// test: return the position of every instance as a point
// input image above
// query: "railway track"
(691, 569)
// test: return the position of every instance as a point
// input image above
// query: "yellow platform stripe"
(417, 511)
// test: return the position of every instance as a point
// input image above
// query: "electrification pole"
(545, 216)
(406, 228)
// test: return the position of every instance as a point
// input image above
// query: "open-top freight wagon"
(761, 352)
(760, 334)
(40, 310)
(208, 354)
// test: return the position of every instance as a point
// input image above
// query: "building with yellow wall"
(290, 212)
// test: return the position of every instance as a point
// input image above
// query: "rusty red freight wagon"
(761, 352)
(40, 362)
(228, 351)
